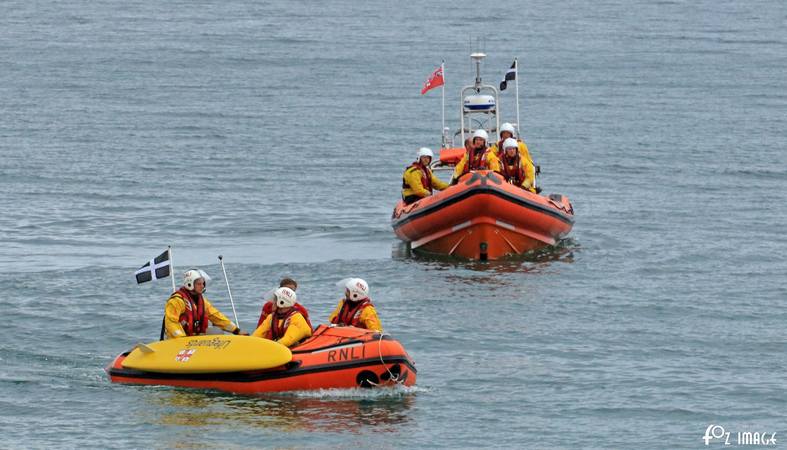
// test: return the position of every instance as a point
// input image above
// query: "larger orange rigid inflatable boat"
(483, 217)
(333, 357)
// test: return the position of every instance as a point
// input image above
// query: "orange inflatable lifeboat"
(333, 357)
(483, 217)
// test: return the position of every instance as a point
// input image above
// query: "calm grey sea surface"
(275, 133)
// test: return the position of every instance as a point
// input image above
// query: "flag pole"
(221, 260)
(442, 70)
(171, 268)
(171, 277)
(516, 81)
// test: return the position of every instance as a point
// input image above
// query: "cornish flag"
(156, 268)
(435, 80)
(510, 75)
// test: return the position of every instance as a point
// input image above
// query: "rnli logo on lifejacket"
(184, 355)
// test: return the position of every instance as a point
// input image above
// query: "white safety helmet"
(481, 133)
(285, 297)
(356, 289)
(424, 151)
(510, 143)
(192, 275)
(508, 127)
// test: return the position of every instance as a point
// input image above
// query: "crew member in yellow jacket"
(356, 308)
(286, 325)
(507, 131)
(477, 156)
(187, 311)
(512, 166)
(418, 180)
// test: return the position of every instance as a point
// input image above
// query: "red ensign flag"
(435, 80)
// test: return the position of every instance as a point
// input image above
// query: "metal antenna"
(221, 260)
(478, 57)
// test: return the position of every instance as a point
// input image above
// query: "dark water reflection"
(532, 261)
(326, 411)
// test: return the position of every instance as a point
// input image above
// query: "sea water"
(276, 133)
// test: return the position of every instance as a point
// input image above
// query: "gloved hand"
(237, 331)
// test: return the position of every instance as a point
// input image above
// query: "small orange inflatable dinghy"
(483, 217)
(333, 357)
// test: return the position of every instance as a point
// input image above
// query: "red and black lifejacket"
(426, 176)
(267, 308)
(195, 319)
(500, 151)
(350, 313)
(476, 160)
(512, 171)
(279, 325)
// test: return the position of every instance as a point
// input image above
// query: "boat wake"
(355, 393)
